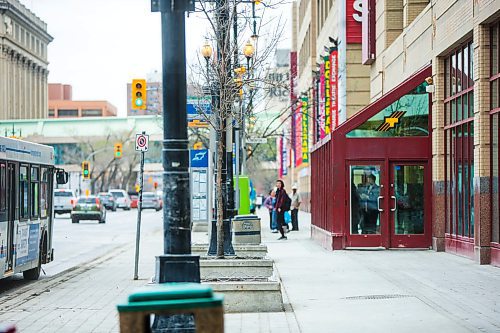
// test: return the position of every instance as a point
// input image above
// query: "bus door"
(12, 213)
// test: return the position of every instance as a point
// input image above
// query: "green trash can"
(168, 299)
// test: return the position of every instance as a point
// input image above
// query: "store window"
(459, 142)
(495, 128)
(408, 116)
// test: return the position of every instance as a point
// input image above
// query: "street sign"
(256, 140)
(141, 142)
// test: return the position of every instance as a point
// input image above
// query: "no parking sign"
(141, 142)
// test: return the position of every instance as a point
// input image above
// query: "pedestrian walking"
(282, 205)
(269, 204)
(296, 201)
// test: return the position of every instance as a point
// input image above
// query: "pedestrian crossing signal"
(118, 150)
(86, 170)
(139, 94)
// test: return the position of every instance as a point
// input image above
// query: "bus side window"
(23, 191)
(3, 187)
(44, 203)
(35, 191)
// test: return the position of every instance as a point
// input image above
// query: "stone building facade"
(23, 62)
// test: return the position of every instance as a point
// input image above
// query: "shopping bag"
(288, 217)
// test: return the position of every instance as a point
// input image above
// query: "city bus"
(27, 174)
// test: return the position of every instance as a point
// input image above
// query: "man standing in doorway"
(296, 201)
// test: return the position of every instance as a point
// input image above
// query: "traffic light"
(86, 170)
(138, 94)
(118, 150)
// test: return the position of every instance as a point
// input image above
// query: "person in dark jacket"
(279, 206)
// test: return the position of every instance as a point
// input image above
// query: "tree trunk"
(220, 198)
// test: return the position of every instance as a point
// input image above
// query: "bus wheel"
(34, 273)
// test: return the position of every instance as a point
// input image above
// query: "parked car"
(134, 200)
(64, 200)
(150, 201)
(107, 200)
(122, 199)
(88, 208)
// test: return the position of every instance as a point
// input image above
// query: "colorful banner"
(284, 157)
(334, 91)
(298, 134)
(305, 131)
(328, 114)
(321, 115)
(293, 104)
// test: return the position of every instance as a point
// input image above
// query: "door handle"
(378, 203)
(394, 208)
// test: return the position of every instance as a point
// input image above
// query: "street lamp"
(206, 52)
(248, 51)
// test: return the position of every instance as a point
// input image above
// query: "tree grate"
(355, 298)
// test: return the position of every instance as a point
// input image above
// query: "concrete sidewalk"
(340, 291)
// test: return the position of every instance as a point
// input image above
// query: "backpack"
(287, 203)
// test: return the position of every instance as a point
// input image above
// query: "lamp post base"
(177, 268)
(228, 243)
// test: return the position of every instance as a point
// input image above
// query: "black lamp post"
(177, 264)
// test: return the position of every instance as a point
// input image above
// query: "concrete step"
(250, 296)
(227, 269)
(241, 250)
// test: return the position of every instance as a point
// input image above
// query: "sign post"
(141, 144)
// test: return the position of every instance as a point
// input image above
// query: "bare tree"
(229, 83)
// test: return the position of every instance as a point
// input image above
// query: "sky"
(101, 45)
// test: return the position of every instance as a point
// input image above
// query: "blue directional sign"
(198, 158)
(198, 108)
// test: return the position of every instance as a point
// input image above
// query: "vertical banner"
(328, 114)
(322, 114)
(280, 156)
(305, 130)
(334, 107)
(284, 157)
(354, 11)
(293, 101)
(298, 134)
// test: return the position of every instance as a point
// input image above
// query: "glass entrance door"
(409, 207)
(367, 206)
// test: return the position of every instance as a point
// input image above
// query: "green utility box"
(244, 195)
(168, 299)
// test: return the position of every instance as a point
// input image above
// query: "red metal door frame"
(412, 241)
(368, 240)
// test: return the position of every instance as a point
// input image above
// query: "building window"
(408, 116)
(495, 130)
(459, 142)
(67, 113)
(91, 112)
(51, 113)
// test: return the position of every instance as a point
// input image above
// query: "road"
(75, 244)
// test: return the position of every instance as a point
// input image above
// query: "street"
(75, 244)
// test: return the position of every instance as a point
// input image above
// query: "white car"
(64, 200)
(122, 199)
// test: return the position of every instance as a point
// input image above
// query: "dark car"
(88, 208)
(108, 201)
